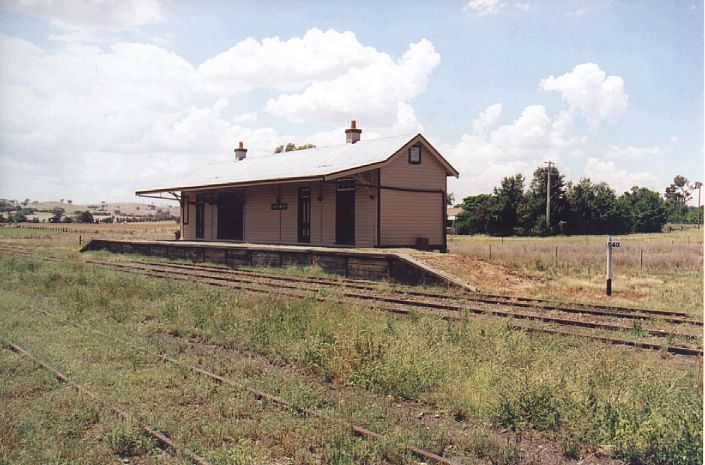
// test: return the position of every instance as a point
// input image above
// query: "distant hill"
(99, 210)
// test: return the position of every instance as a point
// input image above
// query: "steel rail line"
(223, 282)
(156, 435)
(374, 285)
(675, 317)
(633, 314)
(679, 350)
(406, 302)
(263, 395)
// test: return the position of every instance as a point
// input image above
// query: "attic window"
(415, 155)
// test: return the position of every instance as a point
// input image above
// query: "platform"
(375, 264)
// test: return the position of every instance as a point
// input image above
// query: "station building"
(388, 192)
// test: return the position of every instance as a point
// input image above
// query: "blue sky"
(99, 101)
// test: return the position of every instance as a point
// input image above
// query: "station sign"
(280, 206)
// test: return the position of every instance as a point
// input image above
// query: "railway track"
(674, 317)
(493, 310)
(160, 438)
(265, 283)
(519, 302)
(280, 402)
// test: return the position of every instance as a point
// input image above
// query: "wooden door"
(230, 216)
(345, 213)
(200, 216)
(304, 215)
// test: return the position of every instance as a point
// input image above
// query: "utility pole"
(698, 185)
(548, 195)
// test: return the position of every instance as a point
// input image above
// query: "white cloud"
(131, 115)
(522, 6)
(588, 90)
(621, 180)
(285, 65)
(487, 119)
(674, 139)
(93, 15)
(580, 12)
(373, 92)
(245, 118)
(615, 151)
(484, 7)
(483, 157)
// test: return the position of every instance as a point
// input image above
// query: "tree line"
(582, 207)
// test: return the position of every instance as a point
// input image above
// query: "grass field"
(471, 390)
(671, 276)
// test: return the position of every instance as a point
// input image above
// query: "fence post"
(490, 251)
(556, 253)
(79, 239)
(641, 259)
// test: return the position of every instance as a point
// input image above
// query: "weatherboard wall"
(408, 215)
(262, 224)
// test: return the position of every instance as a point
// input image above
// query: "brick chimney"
(352, 134)
(240, 152)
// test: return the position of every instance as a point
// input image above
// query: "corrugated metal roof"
(316, 162)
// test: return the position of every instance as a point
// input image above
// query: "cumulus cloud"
(285, 64)
(485, 156)
(588, 90)
(620, 179)
(135, 114)
(373, 92)
(93, 15)
(487, 119)
(615, 151)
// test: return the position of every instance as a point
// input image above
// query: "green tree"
(291, 147)
(593, 209)
(84, 217)
(533, 211)
(508, 199)
(18, 217)
(644, 210)
(677, 195)
(473, 218)
(57, 212)
(679, 191)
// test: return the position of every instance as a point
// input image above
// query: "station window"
(415, 155)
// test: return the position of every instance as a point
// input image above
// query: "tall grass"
(681, 250)
(581, 394)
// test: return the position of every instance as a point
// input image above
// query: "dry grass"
(678, 250)
(671, 276)
(68, 234)
(579, 397)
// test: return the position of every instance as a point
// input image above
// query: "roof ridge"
(259, 157)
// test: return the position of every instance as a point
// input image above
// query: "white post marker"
(610, 245)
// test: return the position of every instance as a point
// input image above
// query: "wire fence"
(645, 253)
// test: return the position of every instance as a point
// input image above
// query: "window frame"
(418, 147)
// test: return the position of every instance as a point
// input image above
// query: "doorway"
(345, 212)
(200, 216)
(230, 216)
(304, 221)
